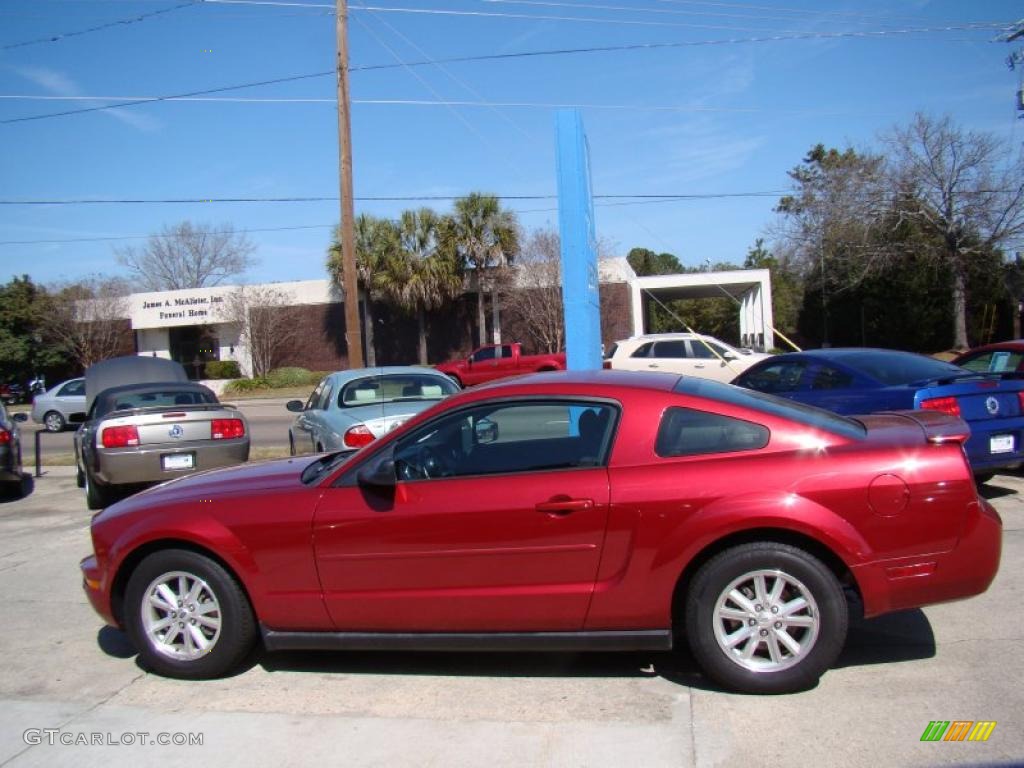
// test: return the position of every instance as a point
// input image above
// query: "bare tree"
(268, 324)
(90, 319)
(531, 293)
(962, 187)
(184, 255)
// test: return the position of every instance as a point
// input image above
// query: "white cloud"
(60, 84)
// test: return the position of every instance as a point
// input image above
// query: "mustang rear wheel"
(765, 618)
(97, 495)
(188, 616)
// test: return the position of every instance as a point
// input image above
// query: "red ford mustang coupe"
(582, 511)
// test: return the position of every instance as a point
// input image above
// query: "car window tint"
(487, 353)
(702, 350)
(808, 415)
(611, 351)
(510, 437)
(325, 399)
(72, 388)
(774, 377)
(827, 377)
(688, 432)
(676, 348)
(314, 396)
(506, 350)
(160, 399)
(395, 387)
(893, 367)
(994, 361)
(644, 350)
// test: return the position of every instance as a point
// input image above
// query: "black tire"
(228, 645)
(97, 494)
(80, 479)
(980, 478)
(54, 421)
(291, 444)
(736, 569)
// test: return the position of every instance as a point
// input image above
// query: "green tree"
(646, 262)
(487, 239)
(26, 347)
(426, 271)
(376, 241)
(961, 187)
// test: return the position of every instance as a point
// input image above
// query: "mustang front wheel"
(766, 618)
(188, 616)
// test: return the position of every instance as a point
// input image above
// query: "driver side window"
(511, 437)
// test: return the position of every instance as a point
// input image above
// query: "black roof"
(107, 399)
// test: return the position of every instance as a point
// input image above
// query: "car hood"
(276, 474)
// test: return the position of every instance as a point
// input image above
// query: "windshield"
(374, 390)
(324, 466)
(776, 406)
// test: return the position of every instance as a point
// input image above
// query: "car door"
(839, 390)
(784, 377)
(495, 523)
(71, 397)
(711, 361)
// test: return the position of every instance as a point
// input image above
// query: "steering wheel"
(425, 463)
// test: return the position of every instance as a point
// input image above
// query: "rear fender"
(784, 511)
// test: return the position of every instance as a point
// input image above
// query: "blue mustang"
(851, 381)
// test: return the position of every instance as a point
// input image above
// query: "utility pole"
(350, 279)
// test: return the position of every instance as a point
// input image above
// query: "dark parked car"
(585, 511)
(851, 381)
(11, 474)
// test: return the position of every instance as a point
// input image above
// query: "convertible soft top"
(132, 369)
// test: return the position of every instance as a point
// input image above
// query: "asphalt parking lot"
(67, 678)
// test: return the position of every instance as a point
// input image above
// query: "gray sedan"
(54, 408)
(349, 409)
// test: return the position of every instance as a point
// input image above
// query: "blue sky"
(696, 119)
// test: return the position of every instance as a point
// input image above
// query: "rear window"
(899, 367)
(388, 389)
(160, 399)
(776, 406)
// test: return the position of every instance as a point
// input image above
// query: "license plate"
(1000, 444)
(178, 461)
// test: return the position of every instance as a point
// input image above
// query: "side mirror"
(485, 431)
(76, 418)
(20, 416)
(295, 406)
(469, 361)
(379, 473)
(729, 356)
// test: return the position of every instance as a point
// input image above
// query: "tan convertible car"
(142, 434)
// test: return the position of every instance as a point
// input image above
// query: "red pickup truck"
(497, 361)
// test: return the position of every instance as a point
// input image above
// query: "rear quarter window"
(689, 432)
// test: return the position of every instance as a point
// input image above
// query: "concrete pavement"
(63, 671)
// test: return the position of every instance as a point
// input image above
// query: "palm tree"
(376, 241)
(486, 238)
(428, 272)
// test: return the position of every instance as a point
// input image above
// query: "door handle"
(652, 365)
(564, 506)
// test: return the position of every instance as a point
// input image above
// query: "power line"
(120, 22)
(492, 105)
(378, 199)
(537, 17)
(864, 34)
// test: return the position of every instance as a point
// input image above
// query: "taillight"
(358, 436)
(120, 437)
(607, 365)
(5, 437)
(947, 405)
(226, 429)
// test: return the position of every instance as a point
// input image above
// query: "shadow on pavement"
(16, 492)
(114, 642)
(993, 490)
(903, 636)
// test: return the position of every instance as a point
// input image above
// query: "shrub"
(244, 385)
(288, 377)
(315, 377)
(222, 369)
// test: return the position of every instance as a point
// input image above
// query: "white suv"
(692, 354)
